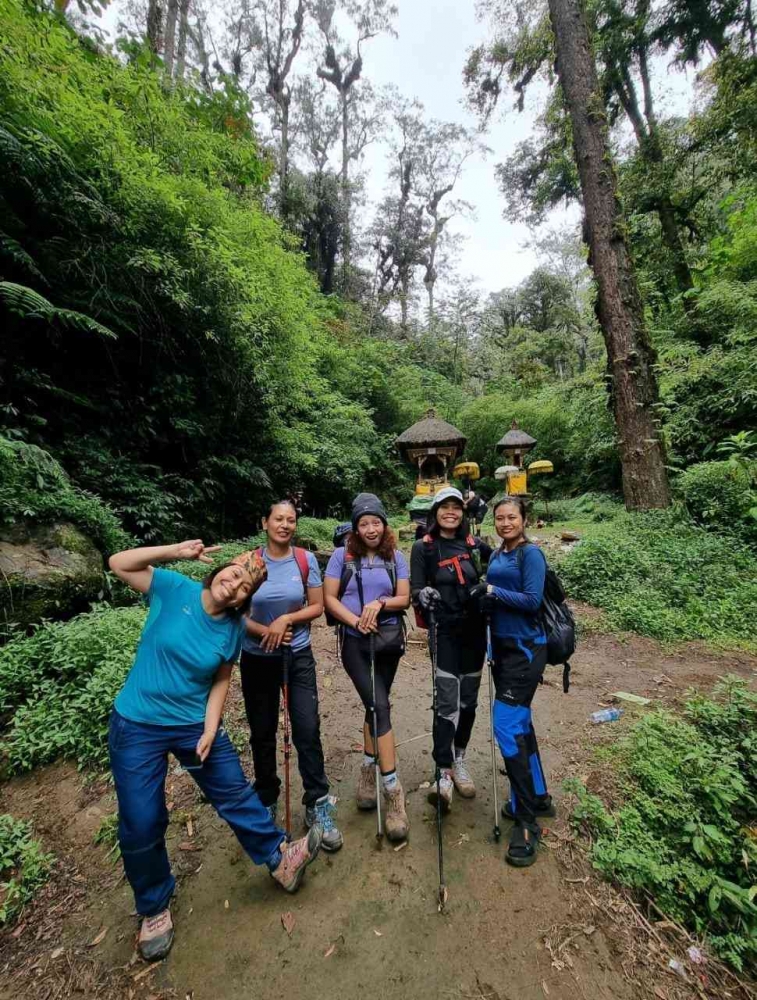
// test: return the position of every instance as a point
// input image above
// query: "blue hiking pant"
(518, 669)
(139, 761)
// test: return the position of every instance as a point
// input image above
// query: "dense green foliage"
(659, 574)
(680, 827)
(61, 682)
(24, 867)
(34, 487)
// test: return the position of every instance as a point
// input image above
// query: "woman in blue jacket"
(515, 589)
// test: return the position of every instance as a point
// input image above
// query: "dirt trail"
(366, 922)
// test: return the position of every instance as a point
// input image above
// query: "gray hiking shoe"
(396, 822)
(156, 936)
(462, 780)
(323, 812)
(444, 792)
(366, 787)
(295, 858)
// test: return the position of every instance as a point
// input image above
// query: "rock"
(47, 571)
(570, 536)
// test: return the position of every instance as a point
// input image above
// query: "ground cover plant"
(681, 828)
(659, 574)
(24, 867)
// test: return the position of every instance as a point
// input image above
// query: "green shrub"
(24, 867)
(660, 575)
(34, 487)
(719, 495)
(63, 680)
(683, 833)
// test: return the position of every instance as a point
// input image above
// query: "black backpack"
(557, 619)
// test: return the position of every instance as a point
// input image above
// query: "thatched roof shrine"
(429, 432)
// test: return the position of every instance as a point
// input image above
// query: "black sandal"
(524, 844)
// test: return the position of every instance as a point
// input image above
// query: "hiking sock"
(368, 760)
(390, 780)
(459, 753)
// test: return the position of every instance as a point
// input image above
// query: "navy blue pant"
(518, 669)
(139, 761)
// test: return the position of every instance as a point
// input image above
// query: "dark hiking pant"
(518, 669)
(261, 686)
(459, 664)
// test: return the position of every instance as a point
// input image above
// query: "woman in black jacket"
(445, 565)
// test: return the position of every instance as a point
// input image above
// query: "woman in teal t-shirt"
(172, 702)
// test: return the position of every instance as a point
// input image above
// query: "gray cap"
(367, 503)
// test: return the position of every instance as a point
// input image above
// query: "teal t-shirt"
(179, 652)
(281, 594)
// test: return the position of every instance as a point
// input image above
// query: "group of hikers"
(258, 609)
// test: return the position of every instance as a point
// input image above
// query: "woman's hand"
(204, 743)
(278, 633)
(195, 549)
(369, 618)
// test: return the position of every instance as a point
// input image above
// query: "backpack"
(432, 566)
(301, 558)
(351, 568)
(557, 619)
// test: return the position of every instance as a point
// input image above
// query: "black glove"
(487, 602)
(429, 598)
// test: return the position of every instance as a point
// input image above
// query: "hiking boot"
(295, 858)
(156, 936)
(544, 807)
(444, 792)
(323, 812)
(395, 819)
(462, 780)
(366, 787)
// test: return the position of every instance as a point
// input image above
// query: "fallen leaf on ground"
(329, 951)
(100, 937)
(187, 845)
(544, 987)
(190, 828)
(377, 933)
(660, 993)
(57, 953)
(145, 972)
(225, 904)
(288, 921)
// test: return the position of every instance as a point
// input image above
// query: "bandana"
(252, 562)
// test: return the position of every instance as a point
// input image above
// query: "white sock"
(368, 760)
(459, 754)
(390, 781)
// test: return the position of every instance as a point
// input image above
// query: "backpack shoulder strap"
(301, 558)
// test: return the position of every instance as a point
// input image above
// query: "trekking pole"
(442, 896)
(490, 664)
(379, 827)
(287, 659)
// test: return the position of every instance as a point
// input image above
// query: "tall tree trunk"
(346, 194)
(170, 44)
(181, 49)
(284, 155)
(155, 27)
(630, 356)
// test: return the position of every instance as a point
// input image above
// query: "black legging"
(356, 659)
(460, 650)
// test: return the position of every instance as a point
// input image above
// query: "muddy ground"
(365, 921)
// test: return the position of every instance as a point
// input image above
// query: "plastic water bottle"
(606, 715)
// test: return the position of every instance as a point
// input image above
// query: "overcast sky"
(426, 62)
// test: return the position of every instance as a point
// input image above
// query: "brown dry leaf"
(544, 987)
(18, 931)
(100, 937)
(187, 845)
(145, 972)
(288, 922)
(660, 993)
(330, 951)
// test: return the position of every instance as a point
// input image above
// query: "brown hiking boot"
(295, 858)
(395, 820)
(461, 777)
(444, 792)
(156, 936)
(366, 787)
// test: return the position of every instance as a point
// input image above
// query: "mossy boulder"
(47, 571)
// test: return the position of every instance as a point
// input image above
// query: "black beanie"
(367, 503)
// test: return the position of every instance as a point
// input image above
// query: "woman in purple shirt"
(366, 579)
